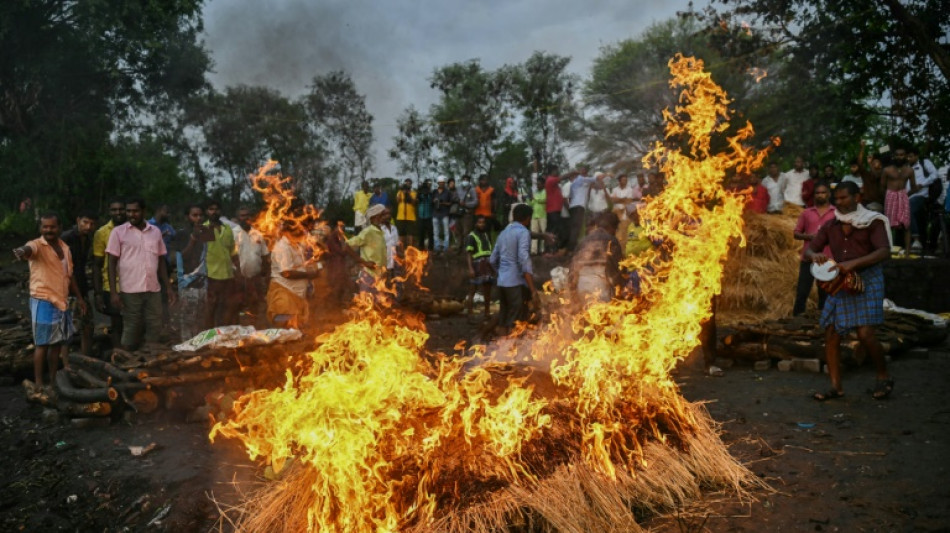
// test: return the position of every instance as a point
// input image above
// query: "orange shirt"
(49, 275)
(484, 201)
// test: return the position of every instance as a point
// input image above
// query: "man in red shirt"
(859, 243)
(809, 222)
(553, 205)
(759, 199)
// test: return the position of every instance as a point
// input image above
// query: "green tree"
(73, 75)
(338, 116)
(543, 91)
(885, 61)
(414, 146)
(470, 117)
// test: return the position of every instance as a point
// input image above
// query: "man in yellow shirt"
(100, 278)
(222, 261)
(360, 205)
(406, 200)
(372, 249)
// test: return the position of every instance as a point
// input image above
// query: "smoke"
(391, 48)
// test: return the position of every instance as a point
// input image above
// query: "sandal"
(830, 395)
(882, 389)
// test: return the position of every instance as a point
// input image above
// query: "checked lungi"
(847, 311)
(897, 208)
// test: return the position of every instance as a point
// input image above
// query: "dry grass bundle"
(569, 497)
(759, 280)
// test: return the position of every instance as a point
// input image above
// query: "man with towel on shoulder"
(860, 241)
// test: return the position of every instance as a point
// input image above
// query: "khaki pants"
(141, 314)
(538, 225)
(622, 235)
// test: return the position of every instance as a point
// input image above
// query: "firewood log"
(66, 390)
(100, 367)
(84, 409)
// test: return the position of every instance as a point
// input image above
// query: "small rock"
(764, 364)
(784, 365)
(808, 365)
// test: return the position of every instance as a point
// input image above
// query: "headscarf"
(375, 210)
(862, 217)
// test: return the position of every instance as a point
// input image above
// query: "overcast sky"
(390, 48)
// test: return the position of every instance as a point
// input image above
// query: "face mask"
(466, 184)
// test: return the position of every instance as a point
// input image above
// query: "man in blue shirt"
(379, 197)
(511, 258)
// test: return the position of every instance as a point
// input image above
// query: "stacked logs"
(801, 337)
(155, 377)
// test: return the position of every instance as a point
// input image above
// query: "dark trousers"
(424, 227)
(557, 228)
(805, 281)
(220, 308)
(466, 222)
(513, 304)
(578, 214)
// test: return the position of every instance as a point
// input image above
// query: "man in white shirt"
(774, 183)
(794, 179)
(624, 196)
(581, 185)
(252, 257)
(925, 174)
(291, 273)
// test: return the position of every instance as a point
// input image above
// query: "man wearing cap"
(371, 243)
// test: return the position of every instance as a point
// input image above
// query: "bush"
(16, 224)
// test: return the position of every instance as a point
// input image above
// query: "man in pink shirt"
(809, 222)
(136, 253)
(554, 201)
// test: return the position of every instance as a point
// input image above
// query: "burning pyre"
(385, 437)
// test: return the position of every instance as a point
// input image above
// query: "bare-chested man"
(896, 202)
(871, 174)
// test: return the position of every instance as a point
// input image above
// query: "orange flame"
(381, 426)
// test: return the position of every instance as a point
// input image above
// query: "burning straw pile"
(371, 433)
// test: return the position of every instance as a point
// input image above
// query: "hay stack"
(759, 280)
(568, 496)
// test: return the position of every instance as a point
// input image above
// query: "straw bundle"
(759, 280)
(568, 496)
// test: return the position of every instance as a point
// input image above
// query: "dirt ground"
(853, 464)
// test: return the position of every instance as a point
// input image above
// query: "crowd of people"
(214, 270)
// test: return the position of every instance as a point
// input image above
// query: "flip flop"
(831, 394)
(882, 389)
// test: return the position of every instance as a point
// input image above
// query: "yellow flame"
(388, 430)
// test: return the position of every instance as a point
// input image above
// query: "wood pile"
(157, 377)
(16, 343)
(802, 338)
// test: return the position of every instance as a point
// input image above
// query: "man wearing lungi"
(859, 243)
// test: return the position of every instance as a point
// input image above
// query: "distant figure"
(580, 194)
(442, 202)
(480, 273)
(775, 183)
(360, 205)
(253, 255)
(424, 216)
(189, 250)
(290, 279)
(406, 202)
(223, 262)
(759, 198)
(379, 197)
(859, 245)
(794, 180)
(51, 282)
(925, 174)
(373, 249)
(897, 175)
(554, 203)
(809, 222)
(100, 273)
(624, 198)
(539, 215)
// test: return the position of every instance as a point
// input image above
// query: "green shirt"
(372, 245)
(219, 253)
(540, 204)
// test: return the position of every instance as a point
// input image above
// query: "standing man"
(379, 197)
(898, 178)
(441, 205)
(222, 261)
(100, 271)
(290, 279)
(79, 240)
(51, 281)
(511, 259)
(539, 215)
(809, 222)
(253, 255)
(468, 201)
(137, 268)
(424, 215)
(406, 200)
(371, 243)
(360, 205)
(580, 191)
(554, 203)
(595, 268)
(624, 197)
(794, 181)
(775, 183)
(859, 245)
(925, 174)
(160, 220)
(486, 199)
(481, 276)
(189, 250)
